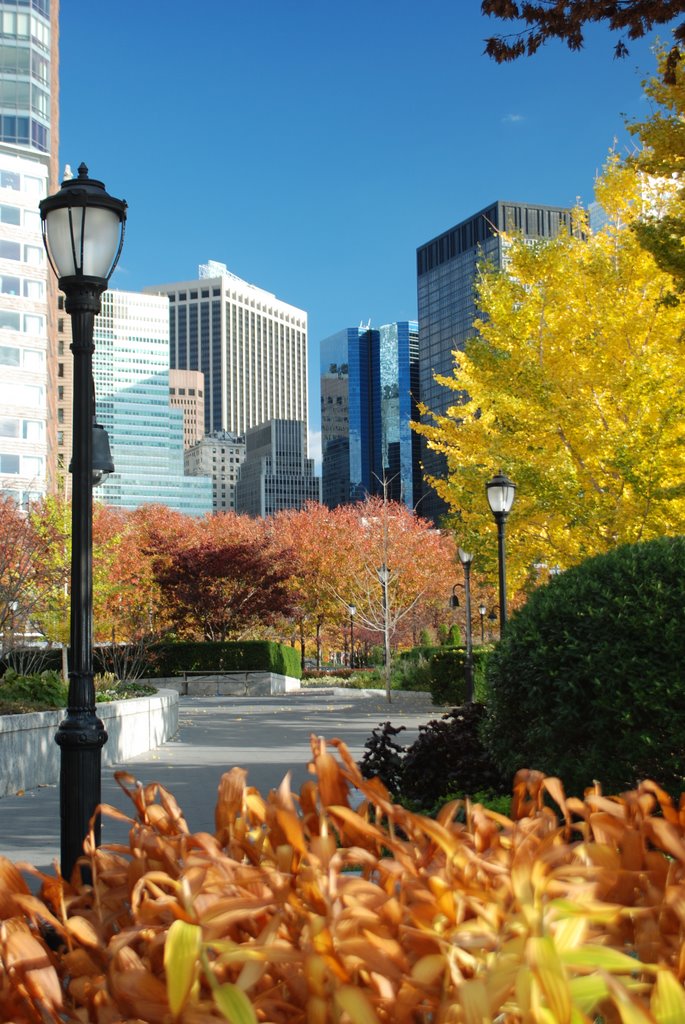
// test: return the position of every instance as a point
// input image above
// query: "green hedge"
(447, 666)
(239, 656)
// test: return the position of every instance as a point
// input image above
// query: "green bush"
(588, 681)
(45, 689)
(411, 674)
(447, 668)
(241, 656)
(448, 757)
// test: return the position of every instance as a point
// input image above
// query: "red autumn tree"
(222, 580)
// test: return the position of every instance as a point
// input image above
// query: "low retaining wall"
(228, 684)
(29, 756)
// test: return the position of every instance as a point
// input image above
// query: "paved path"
(266, 735)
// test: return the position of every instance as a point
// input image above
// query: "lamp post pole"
(481, 611)
(500, 491)
(83, 235)
(352, 609)
(466, 559)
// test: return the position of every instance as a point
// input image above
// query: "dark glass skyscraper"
(369, 379)
(446, 272)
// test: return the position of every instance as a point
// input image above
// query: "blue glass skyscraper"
(368, 382)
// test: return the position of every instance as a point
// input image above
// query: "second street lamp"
(83, 232)
(466, 558)
(481, 611)
(500, 491)
(352, 609)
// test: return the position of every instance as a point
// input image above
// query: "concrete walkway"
(266, 735)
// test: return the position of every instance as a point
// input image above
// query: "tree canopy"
(574, 387)
(567, 20)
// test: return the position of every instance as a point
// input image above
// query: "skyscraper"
(276, 473)
(369, 384)
(28, 171)
(446, 272)
(131, 372)
(251, 347)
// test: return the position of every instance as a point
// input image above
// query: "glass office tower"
(369, 383)
(446, 272)
(28, 170)
(131, 372)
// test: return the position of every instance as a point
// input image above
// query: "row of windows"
(30, 289)
(25, 465)
(29, 395)
(32, 254)
(22, 60)
(31, 184)
(29, 323)
(26, 358)
(27, 430)
(24, 131)
(182, 391)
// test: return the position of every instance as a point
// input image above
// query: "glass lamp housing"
(500, 491)
(83, 228)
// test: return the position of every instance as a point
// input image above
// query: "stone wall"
(30, 757)
(227, 684)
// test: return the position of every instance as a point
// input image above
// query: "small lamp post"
(454, 600)
(466, 559)
(481, 611)
(83, 232)
(352, 609)
(383, 574)
(500, 491)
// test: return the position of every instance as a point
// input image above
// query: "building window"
(9, 463)
(60, 369)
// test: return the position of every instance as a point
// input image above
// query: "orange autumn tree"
(323, 543)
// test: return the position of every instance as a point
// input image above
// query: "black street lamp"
(481, 611)
(465, 558)
(83, 232)
(500, 491)
(352, 609)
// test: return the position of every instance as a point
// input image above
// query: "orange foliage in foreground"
(487, 920)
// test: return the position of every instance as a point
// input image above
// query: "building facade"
(219, 456)
(369, 388)
(29, 140)
(187, 392)
(250, 346)
(276, 473)
(446, 274)
(131, 373)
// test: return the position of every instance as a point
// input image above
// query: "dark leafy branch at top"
(567, 19)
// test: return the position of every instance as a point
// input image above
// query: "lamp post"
(83, 233)
(481, 611)
(383, 575)
(465, 558)
(500, 491)
(352, 609)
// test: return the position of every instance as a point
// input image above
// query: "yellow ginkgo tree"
(574, 387)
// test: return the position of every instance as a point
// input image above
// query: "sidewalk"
(266, 735)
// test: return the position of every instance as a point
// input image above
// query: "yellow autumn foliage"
(574, 387)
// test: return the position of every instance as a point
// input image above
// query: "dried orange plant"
(321, 909)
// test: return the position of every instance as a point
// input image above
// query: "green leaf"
(668, 999)
(181, 951)
(234, 1004)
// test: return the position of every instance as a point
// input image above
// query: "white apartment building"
(250, 346)
(23, 327)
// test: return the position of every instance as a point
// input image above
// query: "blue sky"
(312, 146)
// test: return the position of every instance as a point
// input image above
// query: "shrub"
(588, 681)
(411, 674)
(490, 919)
(384, 758)
(203, 656)
(44, 689)
(449, 756)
